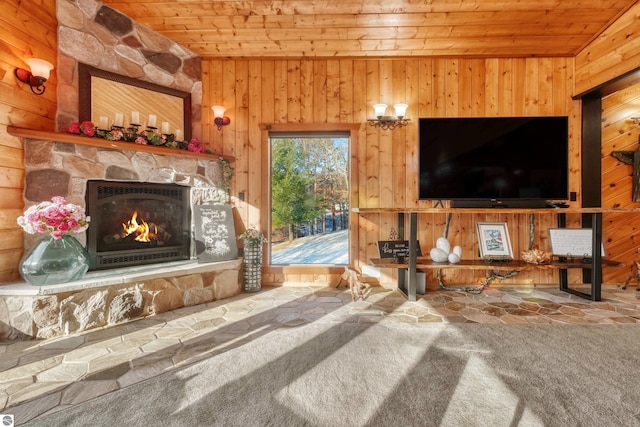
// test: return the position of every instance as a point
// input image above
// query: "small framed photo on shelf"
(493, 240)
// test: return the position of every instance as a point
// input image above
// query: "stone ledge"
(119, 276)
(111, 297)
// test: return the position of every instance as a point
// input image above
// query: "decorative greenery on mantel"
(134, 134)
(104, 143)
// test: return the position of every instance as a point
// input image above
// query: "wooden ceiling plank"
(282, 34)
(315, 7)
(314, 28)
(591, 16)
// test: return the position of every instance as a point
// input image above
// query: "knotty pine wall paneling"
(619, 133)
(28, 30)
(357, 175)
(321, 93)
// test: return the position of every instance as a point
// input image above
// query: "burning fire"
(141, 231)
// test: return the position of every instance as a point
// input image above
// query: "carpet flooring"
(390, 374)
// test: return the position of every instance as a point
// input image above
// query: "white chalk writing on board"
(396, 248)
(215, 233)
(571, 241)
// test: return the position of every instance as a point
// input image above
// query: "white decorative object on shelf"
(443, 244)
(453, 258)
(456, 255)
(438, 255)
(442, 252)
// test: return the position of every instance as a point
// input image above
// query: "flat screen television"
(494, 161)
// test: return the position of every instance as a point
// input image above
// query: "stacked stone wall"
(61, 169)
(92, 33)
(57, 314)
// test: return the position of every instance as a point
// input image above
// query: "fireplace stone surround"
(60, 165)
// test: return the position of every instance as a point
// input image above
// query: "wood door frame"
(592, 143)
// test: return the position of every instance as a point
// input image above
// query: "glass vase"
(54, 261)
(252, 265)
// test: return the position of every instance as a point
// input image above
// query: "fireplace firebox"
(135, 223)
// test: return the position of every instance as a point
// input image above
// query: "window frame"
(278, 273)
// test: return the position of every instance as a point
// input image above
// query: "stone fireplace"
(125, 177)
(62, 164)
(137, 223)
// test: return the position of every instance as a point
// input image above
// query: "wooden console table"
(594, 267)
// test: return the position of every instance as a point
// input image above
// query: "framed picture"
(493, 240)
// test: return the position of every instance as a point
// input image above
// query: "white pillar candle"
(179, 136)
(104, 122)
(119, 121)
(152, 120)
(165, 127)
(135, 117)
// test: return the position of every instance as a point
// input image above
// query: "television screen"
(497, 159)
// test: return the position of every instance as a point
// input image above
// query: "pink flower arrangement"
(56, 217)
(253, 234)
(113, 135)
(196, 147)
(141, 140)
(85, 128)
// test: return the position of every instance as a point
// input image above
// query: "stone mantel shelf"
(103, 143)
(117, 276)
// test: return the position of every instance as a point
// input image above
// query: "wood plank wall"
(28, 30)
(321, 92)
(614, 53)
(317, 92)
(620, 133)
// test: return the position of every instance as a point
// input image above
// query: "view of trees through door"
(309, 198)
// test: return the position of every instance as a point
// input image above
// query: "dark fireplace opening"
(136, 223)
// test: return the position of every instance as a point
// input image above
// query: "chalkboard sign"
(572, 242)
(395, 249)
(215, 233)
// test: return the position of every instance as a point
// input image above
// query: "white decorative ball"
(453, 258)
(458, 251)
(443, 244)
(438, 255)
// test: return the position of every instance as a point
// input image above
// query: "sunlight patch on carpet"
(355, 389)
(482, 394)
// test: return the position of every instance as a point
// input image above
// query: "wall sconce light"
(40, 70)
(389, 122)
(219, 118)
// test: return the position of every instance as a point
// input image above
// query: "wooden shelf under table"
(593, 268)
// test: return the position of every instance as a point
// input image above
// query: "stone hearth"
(60, 165)
(107, 298)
